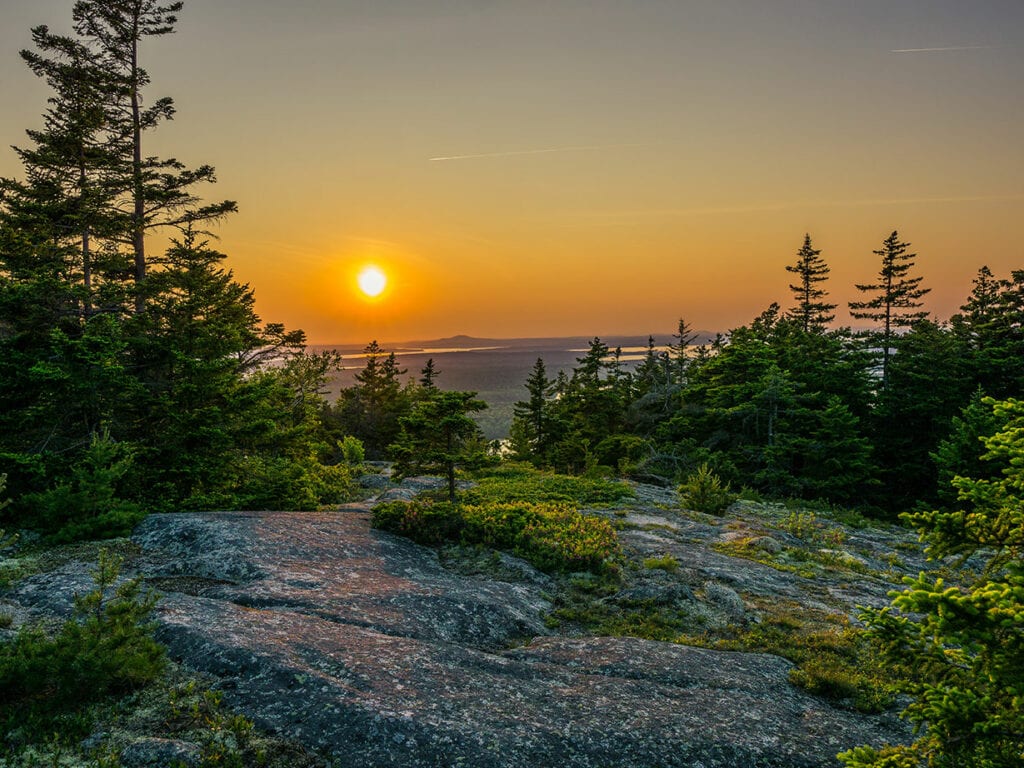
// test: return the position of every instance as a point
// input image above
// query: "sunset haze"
(577, 168)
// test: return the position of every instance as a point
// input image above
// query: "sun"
(372, 281)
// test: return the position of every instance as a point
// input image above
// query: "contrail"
(546, 150)
(943, 48)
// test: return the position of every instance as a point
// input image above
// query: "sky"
(527, 168)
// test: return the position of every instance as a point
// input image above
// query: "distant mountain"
(459, 340)
(544, 342)
(541, 345)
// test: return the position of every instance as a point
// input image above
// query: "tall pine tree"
(897, 303)
(159, 191)
(811, 310)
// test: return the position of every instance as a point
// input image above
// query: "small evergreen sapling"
(107, 648)
(703, 491)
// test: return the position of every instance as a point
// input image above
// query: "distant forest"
(788, 406)
(133, 381)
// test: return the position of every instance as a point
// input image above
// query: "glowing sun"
(372, 281)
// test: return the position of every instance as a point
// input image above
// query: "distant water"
(496, 369)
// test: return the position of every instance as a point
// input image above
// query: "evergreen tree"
(198, 408)
(158, 190)
(68, 187)
(772, 407)
(428, 373)
(679, 351)
(649, 373)
(91, 392)
(530, 418)
(439, 434)
(915, 411)
(960, 454)
(991, 323)
(958, 639)
(811, 311)
(372, 408)
(897, 303)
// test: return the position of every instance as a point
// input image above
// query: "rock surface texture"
(361, 644)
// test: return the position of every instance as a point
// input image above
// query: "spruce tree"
(648, 372)
(957, 638)
(198, 408)
(530, 416)
(371, 409)
(428, 373)
(159, 191)
(898, 297)
(439, 434)
(68, 186)
(811, 311)
(679, 351)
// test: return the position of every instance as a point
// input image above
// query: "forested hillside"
(789, 405)
(132, 381)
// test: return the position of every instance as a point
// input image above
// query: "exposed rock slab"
(878, 558)
(332, 565)
(359, 643)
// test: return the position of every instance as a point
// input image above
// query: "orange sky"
(526, 168)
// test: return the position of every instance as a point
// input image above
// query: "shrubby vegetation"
(545, 529)
(107, 648)
(703, 491)
(515, 482)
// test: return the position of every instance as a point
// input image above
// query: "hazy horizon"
(561, 168)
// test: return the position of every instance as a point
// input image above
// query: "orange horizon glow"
(580, 169)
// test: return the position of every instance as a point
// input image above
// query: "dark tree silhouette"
(811, 311)
(897, 301)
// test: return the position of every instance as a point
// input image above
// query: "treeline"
(134, 381)
(791, 408)
(411, 422)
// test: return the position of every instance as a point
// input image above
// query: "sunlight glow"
(372, 281)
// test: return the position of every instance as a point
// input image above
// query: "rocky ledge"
(361, 644)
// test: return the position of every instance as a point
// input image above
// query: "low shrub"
(664, 563)
(225, 739)
(512, 482)
(834, 660)
(703, 491)
(554, 537)
(424, 521)
(804, 524)
(352, 451)
(106, 648)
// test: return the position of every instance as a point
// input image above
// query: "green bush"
(552, 536)
(352, 451)
(518, 482)
(424, 522)
(807, 526)
(278, 482)
(834, 660)
(106, 648)
(664, 563)
(87, 505)
(703, 491)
